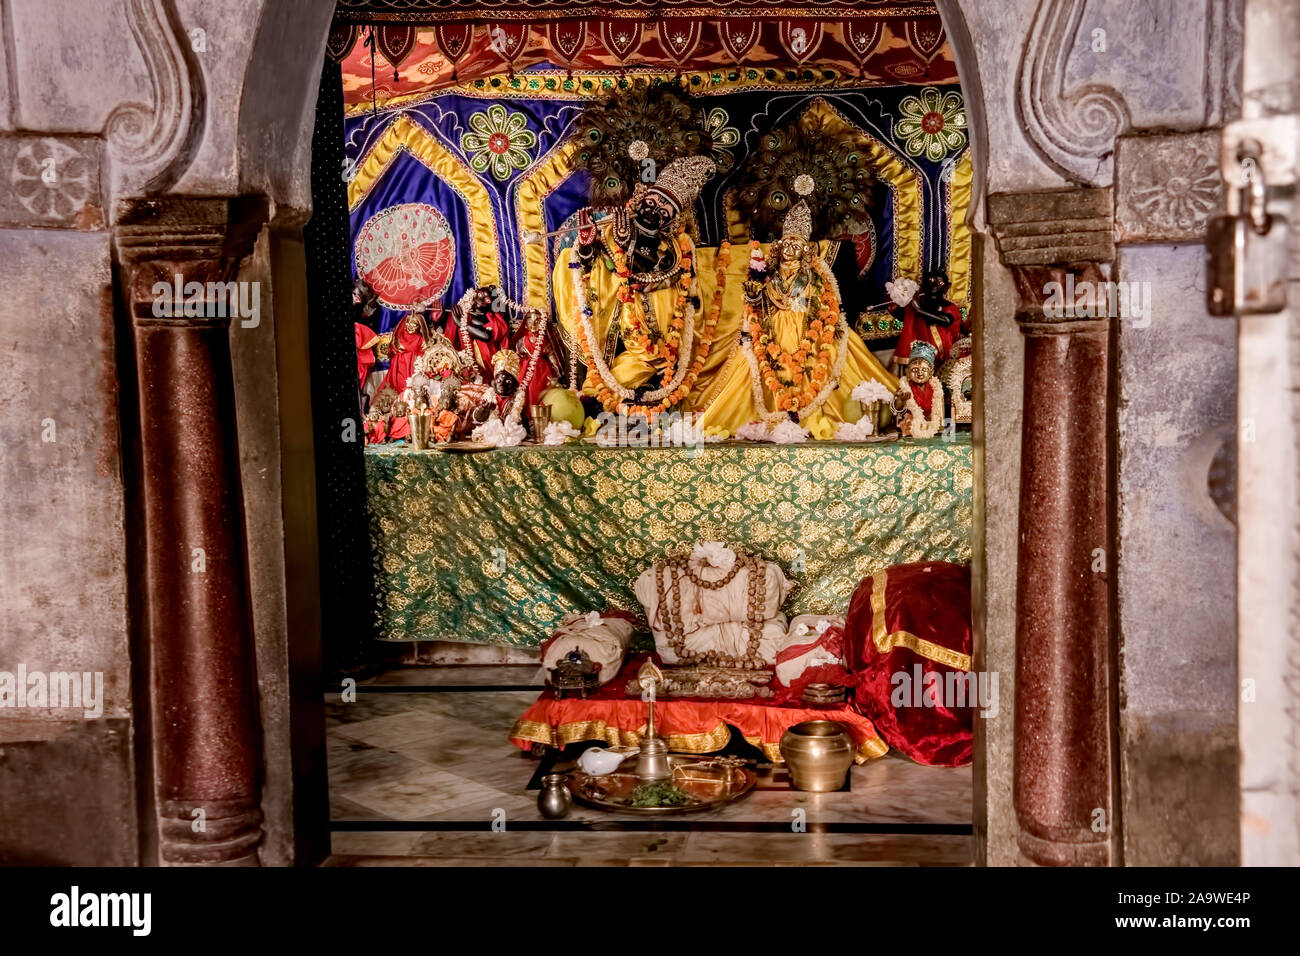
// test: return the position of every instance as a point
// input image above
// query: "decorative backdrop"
(885, 46)
(494, 157)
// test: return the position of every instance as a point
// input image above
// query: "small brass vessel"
(539, 416)
(555, 798)
(818, 753)
(421, 425)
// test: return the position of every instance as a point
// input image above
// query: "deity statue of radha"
(627, 295)
(798, 359)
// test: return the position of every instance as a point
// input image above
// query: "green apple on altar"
(565, 406)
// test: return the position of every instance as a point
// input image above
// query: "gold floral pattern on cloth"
(495, 548)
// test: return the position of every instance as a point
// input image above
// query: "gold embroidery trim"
(578, 730)
(959, 243)
(530, 197)
(406, 134)
(886, 641)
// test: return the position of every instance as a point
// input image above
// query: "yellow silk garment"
(732, 404)
(633, 367)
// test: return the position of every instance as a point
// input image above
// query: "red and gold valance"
(382, 61)
(487, 11)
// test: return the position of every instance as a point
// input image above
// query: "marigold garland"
(794, 384)
(670, 348)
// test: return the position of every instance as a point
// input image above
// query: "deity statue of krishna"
(627, 295)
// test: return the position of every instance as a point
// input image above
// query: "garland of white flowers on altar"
(516, 410)
(934, 421)
(688, 361)
(832, 382)
(595, 357)
(684, 351)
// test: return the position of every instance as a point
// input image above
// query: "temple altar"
(496, 547)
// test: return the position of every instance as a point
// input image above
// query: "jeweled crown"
(682, 179)
(506, 360)
(798, 222)
(922, 352)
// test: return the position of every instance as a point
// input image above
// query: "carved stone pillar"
(1063, 779)
(205, 734)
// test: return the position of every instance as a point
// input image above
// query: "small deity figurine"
(537, 369)
(626, 294)
(409, 339)
(399, 425)
(919, 404)
(929, 317)
(375, 427)
(478, 328)
(799, 360)
(505, 379)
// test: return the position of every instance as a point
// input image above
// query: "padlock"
(1246, 254)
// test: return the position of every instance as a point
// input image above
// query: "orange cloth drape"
(687, 724)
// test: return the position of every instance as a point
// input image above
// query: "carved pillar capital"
(198, 239)
(205, 733)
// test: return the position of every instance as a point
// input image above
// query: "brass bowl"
(818, 753)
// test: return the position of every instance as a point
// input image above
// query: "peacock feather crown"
(651, 123)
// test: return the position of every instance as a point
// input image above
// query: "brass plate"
(613, 791)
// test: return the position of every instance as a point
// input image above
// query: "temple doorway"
(476, 178)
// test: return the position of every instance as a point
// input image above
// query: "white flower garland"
(502, 434)
(557, 433)
(933, 423)
(685, 349)
(860, 430)
(517, 403)
(597, 356)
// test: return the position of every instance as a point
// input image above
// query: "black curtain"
(346, 574)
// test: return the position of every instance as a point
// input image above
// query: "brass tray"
(613, 791)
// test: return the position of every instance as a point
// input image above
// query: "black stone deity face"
(505, 384)
(934, 287)
(653, 214)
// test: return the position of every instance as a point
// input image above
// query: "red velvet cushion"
(905, 623)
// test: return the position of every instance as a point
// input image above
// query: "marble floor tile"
(445, 757)
(360, 764)
(374, 842)
(812, 847)
(341, 808)
(390, 731)
(616, 849)
(424, 793)
(368, 707)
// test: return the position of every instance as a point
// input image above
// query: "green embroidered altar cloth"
(495, 547)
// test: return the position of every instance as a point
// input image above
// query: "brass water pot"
(818, 753)
(555, 797)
